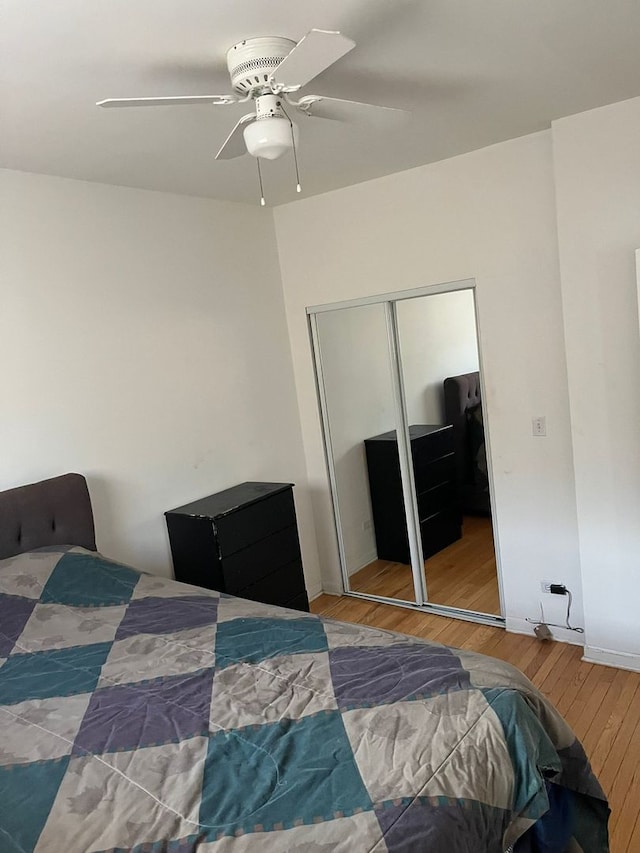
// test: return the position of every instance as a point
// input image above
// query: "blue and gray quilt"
(139, 714)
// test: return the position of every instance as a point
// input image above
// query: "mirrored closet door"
(359, 411)
(400, 395)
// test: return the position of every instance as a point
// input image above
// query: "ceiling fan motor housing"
(252, 62)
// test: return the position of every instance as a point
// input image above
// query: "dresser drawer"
(246, 567)
(440, 530)
(428, 447)
(277, 588)
(438, 498)
(428, 474)
(252, 523)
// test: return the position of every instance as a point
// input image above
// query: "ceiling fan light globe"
(270, 138)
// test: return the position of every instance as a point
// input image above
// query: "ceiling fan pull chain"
(262, 201)
(295, 160)
(295, 150)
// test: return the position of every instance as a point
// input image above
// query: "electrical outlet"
(545, 586)
(539, 425)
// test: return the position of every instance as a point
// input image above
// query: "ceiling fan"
(267, 72)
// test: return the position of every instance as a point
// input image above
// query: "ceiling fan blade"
(234, 146)
(314, 52)
(340, 110)
(216, 100)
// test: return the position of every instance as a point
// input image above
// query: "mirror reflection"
(358, 390)
(441, 369)
(438, 349)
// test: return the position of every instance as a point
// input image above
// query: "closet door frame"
(389, 302)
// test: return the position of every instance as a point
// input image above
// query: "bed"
(141, 714)
(463, 410)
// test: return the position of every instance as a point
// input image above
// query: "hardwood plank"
(568, 659)
(569, 686)
(543, 662)
(594, 704)
(604, 738)
(634, 841)
(586, 702)
(624, 775)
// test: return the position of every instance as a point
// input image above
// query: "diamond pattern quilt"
(140, 714)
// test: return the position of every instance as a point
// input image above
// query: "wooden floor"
(600, 703)
(461, 575)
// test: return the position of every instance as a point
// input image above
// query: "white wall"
(597, 169)
(437, 339)
(488, 215)
(142, 344)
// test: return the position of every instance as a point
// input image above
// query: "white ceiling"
(473, 72)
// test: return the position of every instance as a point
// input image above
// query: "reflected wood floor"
(601, 704)
(461, 575)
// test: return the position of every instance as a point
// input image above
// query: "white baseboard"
(364, 560)
(607, 657)
(315, 592)
(324, 592)
(562, 635)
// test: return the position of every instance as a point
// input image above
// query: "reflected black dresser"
(243, 541)
(434, 472)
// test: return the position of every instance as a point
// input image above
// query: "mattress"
(140, 714)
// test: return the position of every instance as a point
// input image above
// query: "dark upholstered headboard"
(52, 512)
(460, 394)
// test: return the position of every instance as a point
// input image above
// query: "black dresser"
(434, 472)
(243, 541)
